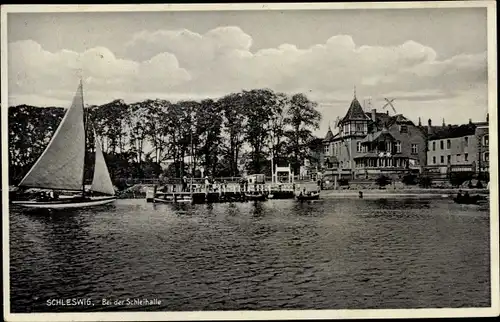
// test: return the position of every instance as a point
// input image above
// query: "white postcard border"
(263, 315)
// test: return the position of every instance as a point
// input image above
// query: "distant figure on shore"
(361, 195)
(207, 183)
(184, 184)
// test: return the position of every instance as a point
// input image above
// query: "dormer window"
(403, 129)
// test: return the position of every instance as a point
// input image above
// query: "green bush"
(343, 182)
(458, 178)
(425, 181)
(383, 181)
(409, 179)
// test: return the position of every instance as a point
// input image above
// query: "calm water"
(329, 254)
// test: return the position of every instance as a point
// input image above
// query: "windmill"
(389, 103)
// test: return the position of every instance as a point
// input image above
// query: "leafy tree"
(234, 124)
(258, 110)
(208, 133)
(30, 130)
(235, 133)
(277, 129)
(302, 118)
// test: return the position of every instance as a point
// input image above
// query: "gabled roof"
(355, 112)
(381, 119)
(398, 119)
(453, 131)
(378, 136)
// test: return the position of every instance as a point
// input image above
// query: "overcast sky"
(432, 61)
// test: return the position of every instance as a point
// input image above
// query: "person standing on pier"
(207, 183)
(184, 184)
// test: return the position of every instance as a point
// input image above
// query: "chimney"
(387, 112)
(429, 127)
(487, 117)
(419, 121)
(429, 122)
(444, 124)
(470, 121)
(374, 114)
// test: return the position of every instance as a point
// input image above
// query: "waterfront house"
(368, 144)
(459, 148)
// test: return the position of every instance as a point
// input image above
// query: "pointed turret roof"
(355, 112)
(329, 135)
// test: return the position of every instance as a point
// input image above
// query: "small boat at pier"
(308, 196)
(469, 200)
(255, 196)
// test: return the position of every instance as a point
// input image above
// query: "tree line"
(238, 132)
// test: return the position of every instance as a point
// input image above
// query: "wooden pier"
(196, 194)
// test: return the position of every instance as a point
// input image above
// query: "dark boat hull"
(259, 197)
(308, 197)
(472, 200)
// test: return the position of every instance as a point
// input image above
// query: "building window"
(403, 129)
(458, 158)
(441, 144)
(358, 146)
(398, 147)
(448, 144)
(414, 148)
(486, 157)
(466, 157)
(466, 141)
(433, 160)
(442, 159)
(433, 146)
(486, 140)
(388, 146)
(448, 159)
(327, 149)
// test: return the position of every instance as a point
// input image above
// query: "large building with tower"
(369, 143)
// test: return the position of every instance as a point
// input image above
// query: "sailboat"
(61, 166)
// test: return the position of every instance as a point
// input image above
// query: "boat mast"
(85, 136)
(192, 157)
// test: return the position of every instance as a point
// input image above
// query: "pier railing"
(232, 180)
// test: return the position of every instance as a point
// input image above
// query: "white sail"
(101, 181)
(61, 164)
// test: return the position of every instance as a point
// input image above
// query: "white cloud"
(35, 71)
(182, 63)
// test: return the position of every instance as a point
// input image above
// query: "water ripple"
(333, 254)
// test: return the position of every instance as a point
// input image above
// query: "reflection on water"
(278, 254)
